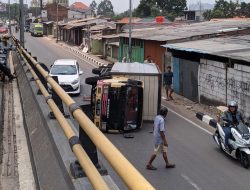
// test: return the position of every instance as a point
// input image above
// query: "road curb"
(84, 55)
(206, 119)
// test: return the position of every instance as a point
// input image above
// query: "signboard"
(2, 7)
(44, 13)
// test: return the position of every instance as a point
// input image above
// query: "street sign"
(44, 13)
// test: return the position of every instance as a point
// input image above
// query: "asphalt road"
(199, 163)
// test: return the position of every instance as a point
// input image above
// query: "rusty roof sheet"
(180, 31)
(235, 47)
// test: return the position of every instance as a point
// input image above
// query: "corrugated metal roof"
(180, 31)
(110, 36)
(114, 43)
(98, 27)
(135, 68)
(68, 27)
(235, 47)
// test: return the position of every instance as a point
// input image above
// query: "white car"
(68, 73)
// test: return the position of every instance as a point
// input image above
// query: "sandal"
(150, 167)
(170, 166)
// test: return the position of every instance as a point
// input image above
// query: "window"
(63, 70)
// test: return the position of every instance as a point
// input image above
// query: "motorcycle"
(238, 144)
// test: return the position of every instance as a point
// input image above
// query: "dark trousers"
(5, 70)
(227, 131)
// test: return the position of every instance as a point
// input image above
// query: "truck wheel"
(96, 71)
(93, 80)
(100, 70)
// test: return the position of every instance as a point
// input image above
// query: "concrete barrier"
(206, 119)
(46, 161)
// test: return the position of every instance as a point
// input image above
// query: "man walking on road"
(160, 140)
(168, 80)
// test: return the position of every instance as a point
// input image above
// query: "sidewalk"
(182, 104)
(15, 166)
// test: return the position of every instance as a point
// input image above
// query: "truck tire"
(100, 70)
(93, 80)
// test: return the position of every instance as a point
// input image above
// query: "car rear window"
(63, 70)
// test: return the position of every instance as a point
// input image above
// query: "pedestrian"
(168, 81)
(148, 59)
(160, 140)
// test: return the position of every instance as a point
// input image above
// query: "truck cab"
(36, 29)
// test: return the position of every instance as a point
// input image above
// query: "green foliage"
(93, 5)
(172, 7)
(224, 9)
(144, 8)
(121, 15)
(14, 12)
(105, 8)
(169, 8)
(208, 14)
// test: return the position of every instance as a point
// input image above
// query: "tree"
(244, 9)
(93, 5)
(144, 9)
(105, 8)
(14, 12)
(169, 8)
(224, 9)
(172, 7)
(208, 15)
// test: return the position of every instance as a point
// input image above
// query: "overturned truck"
(117, 102)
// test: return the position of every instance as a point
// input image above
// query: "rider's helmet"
(233, 104)
(164, 111)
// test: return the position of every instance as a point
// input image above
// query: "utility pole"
(21, 23)
(9, 17)
(200, 11)
(41, 6)
(57, 21)
(130, 33)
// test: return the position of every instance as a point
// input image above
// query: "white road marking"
(188, 120)
(196, 187)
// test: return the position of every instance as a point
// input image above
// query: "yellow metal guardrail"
(94, 177)
(127, 172)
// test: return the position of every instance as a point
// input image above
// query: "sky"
(123, 5)
(120, 5)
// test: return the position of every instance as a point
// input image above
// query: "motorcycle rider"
(230, 117)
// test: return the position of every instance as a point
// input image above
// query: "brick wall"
(52, 12)
(213, 84)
